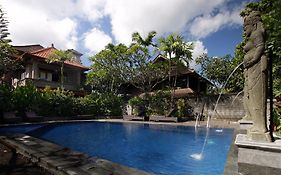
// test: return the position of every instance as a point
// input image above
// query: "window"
(45, 75)
(55, 77)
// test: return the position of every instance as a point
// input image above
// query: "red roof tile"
(182, 92)
(45, 52)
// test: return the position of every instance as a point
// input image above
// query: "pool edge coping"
(63, 161)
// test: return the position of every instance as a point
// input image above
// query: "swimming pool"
(155, 148)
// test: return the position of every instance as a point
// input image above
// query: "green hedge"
(58, 102)
(160, 103)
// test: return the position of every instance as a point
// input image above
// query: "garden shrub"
(160, 103)
(138, 105)
(100, 105)
(5, 98)
(25, 98)
(87, 105)
(183, 108)
(111, 104)
(57, 102)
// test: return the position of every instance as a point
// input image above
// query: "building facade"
(43, 74)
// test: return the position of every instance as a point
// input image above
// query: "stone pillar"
(34, 71)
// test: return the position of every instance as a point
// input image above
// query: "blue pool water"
(159, 149)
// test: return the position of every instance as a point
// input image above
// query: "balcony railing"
(43, 83)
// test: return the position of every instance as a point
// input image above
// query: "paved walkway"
(59, 160)
(12, 163)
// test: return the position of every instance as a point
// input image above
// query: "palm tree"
(177, 51)
(146, 42)
(60, 56)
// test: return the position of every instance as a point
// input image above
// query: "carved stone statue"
(256, 72)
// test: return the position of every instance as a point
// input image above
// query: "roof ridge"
(41, 50)
(27, 45)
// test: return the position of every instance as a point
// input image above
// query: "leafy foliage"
(25, 98)
(58, 102)
(60, 56)
(118, 65)
(158, 103)
(8, 64)
(177, 51)
(108, 69)
(146, 42)
(217, 70)
(5, 98)
(3, 26)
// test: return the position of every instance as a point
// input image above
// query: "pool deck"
(60, 160)
(63, 161)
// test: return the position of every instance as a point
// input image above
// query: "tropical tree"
(178, 52)
(8, 63)
(218, 70)
(146, 42)
(144, 74)
(107, 72)
(118, 65)
(60, 56)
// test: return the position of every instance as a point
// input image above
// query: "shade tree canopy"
(119, 64)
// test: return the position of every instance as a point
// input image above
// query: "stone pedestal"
(258, 158)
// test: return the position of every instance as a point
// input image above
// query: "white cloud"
(60, 22)
(91, 9)
(31, 25)
(128, 16)
(198, 50)
(95, 40)
(207, 24)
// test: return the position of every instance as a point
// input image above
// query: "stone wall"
(230, 106)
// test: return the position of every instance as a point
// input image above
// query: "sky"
(214, 26)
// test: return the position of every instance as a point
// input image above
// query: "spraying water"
(199, 156)
(208, 121)
(196, 123)
(236, 96)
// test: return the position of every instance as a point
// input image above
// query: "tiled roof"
(182, 92)
(40, 52)
(176, 93)
(45, 52)
(29, 48)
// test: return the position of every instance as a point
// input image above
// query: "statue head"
(250, 21)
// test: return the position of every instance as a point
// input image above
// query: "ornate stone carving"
(256, 72)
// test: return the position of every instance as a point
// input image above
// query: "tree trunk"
(62, 77)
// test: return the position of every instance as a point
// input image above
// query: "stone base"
(245, 124)
(258, 158)
(258, 136)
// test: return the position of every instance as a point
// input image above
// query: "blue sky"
(88, 25)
